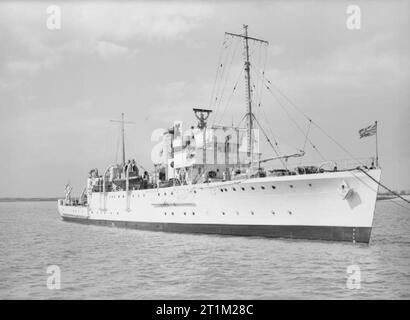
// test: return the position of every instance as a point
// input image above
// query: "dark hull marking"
(181, 204)
(357, 234)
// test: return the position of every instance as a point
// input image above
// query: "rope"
(398, 204)
(382, 185)
(391, 200)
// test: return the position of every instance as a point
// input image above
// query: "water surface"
(111, 263)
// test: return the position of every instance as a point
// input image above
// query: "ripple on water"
(100, 262)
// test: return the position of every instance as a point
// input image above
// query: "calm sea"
(102, 262)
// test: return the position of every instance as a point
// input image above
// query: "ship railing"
(331, 165)
(324, 166)
(342, 164)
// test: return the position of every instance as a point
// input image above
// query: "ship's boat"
(135, 182)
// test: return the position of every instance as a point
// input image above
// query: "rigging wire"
(258, 67)
(263, 73)
(341, 147)
(269, 126)
(267, 121)
(295, 123)
(230, 96)
(304, 144)
(118, 148)
(269, 141)
(270, 129)
(293, 120)
(220, 72)
(315, 124)
(228, 73)
(217, 70)
(223, 65)
(259, 90)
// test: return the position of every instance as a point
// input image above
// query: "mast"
(249, 113)
(202, 115)
(248, 96)
(123, 134)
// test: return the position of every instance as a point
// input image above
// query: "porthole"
(290, 212)
(222, 190)
(226, 190)
(273, 187)
(243, 189)
(262, 187)
(233, 189)
(193, 213)
(273, 212)
(159, 194)
(310, 184)
(172, 213)
(253, 188)
(252, 213)
(291, 185)
(165, 213)
(194, 191)
(184, 213)
(223, 213)
(165, 193)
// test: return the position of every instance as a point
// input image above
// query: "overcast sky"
(156, 61)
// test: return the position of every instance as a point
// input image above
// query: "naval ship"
(210, 179)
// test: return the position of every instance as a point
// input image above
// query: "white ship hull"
(307, 206)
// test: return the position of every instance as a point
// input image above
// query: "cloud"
(276, 50)
(93, 28)
(108, 50)
(32, 66)
(154, 20)
(356, 65)
(173, 90)
(23, 66)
